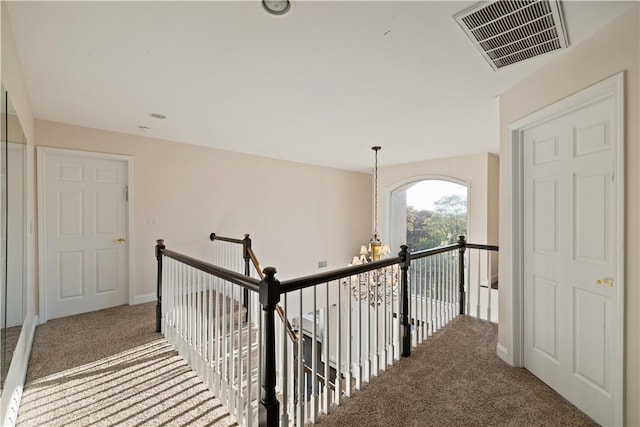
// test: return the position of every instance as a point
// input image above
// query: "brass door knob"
(120, 241)
(605, 282)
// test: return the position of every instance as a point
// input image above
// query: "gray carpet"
(456, 379)
(110, 368)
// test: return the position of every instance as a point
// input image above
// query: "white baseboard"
(12, 392)
(503, 353)
(141, 299)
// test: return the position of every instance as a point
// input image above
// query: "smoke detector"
(507, 32)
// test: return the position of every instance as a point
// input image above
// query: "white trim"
(130, 229)
(502, 352)
(141, 299)
(12, 392)
(513, 251)
(513, 351)
(419, 178)
(42, 152)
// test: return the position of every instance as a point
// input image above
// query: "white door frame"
(513, 352)
(42, 153)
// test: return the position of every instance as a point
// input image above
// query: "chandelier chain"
(375, 194)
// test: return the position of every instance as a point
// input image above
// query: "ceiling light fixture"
(376, 250)
(375, 242)
(276, 7)
(381, 285)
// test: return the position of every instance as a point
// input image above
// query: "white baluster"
(468, 281)
(326, 345)
(489, 278)
(349, 373)
(301, 373)
(314, 359)
(478, 302)
(338, 382)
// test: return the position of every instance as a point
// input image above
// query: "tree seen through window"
(439, 223)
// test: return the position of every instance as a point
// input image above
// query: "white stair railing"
(434, 293)
(350, 324)
(203, 318)
(349, 335)
(481, 277)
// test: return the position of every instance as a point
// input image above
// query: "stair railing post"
(463, 246)
(269, 407)
(159, 247)
(246, 247)
(405, 326)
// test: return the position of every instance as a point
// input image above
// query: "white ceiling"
(319, 85)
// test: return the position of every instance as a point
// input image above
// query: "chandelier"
(378, 285)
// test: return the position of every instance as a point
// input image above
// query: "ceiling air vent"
(507, 32)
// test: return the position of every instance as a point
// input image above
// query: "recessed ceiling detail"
(508, 32)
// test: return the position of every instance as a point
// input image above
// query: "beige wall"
(296, 214)
(479, 171)
(493, 198)
(611, 50)
(493, 205)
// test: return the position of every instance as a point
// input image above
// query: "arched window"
(428, 213)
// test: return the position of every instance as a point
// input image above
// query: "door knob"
(120, 241)
(605, 282)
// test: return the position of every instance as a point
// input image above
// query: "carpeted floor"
(9, 338)
(456, 379)
(110, 368)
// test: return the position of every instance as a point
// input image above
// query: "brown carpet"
(9, 338)
(456, 379)
(109, 368)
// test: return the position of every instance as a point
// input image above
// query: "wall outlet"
(322, 264)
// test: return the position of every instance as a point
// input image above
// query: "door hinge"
(126, 193)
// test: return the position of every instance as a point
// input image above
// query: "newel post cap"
(269, 289)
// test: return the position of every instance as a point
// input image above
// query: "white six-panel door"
(84, 220)
(570, 256)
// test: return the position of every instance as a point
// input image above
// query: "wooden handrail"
(485, 247)
(289, 328)
(214, 236)
(341, 273)
(231, 276)
(321, 378)
(434, 251)
(256, 264)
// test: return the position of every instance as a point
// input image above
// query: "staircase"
(212, 331)
(357, 322)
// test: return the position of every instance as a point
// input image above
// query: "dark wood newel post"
(405, 326)
(463, 246)
(246, 246)
(269, 409)
(159, 247)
